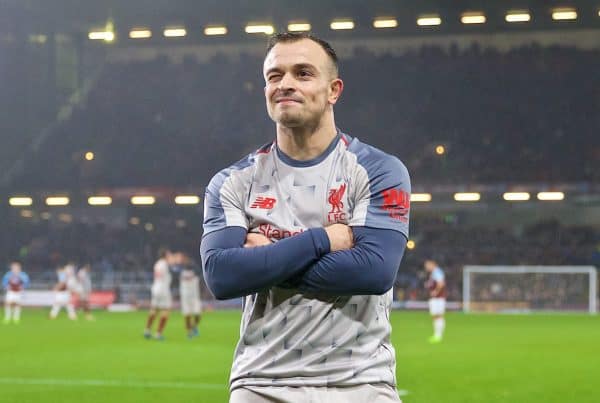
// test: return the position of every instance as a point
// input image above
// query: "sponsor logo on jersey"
(335, 199)
(265, 203)
(276, 233)
(397, 203)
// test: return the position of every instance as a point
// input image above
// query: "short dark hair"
(163, 251)
(286, 37)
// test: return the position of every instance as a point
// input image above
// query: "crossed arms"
(336, 260)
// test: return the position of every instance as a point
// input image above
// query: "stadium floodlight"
(429, 20)
(473, 18)
(298, 26)
(26, 213)
(410, 244)
(518, 16)
(134, 221)
(187, 199)
(340, 25)
(45, 215)
(467, 197)
(551, 196)
(440, 150)
(140, 33)
(525, 289)
(420, 197)
(149, 226)
(143, 200)
(175, 32)
(89, 156)
(107, 36)
(214, 30)
(385, 23)
(266, 29)
(516, 196)
(57, 201)
(564, 14)
(20, 201)
(99, 200)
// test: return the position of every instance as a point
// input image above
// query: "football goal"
(523, 289)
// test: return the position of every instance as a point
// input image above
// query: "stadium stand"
(517, 116)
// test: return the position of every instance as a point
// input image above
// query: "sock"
(196, 320)
(71, 311)
(54, 310)
(161, 324)
(150, 321)
(7, 311)
(188, 323)
(17, 313)
(438, 327)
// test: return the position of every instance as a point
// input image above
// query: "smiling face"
(301, 83)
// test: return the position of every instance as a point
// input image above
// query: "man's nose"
(286, 83)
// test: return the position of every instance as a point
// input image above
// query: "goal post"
(530, 289)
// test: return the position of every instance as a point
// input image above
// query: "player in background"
(436, 285)
(85, 289)
(161, 298)
(14, 282)
(189, 293)
(62, 292)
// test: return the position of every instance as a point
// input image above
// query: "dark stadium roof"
(71, 16)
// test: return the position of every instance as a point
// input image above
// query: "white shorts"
(437, 306)
(13, 297)
(161, 301)
(62, 297)
(378, 393)
(191, 306)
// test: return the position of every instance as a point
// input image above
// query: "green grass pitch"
(484, 358)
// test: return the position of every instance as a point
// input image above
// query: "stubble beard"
(295, 120)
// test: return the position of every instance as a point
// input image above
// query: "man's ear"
(336, 87)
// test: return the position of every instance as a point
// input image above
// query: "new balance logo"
(397, 203)
(266, 203)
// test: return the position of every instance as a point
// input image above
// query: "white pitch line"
(402, 392)
(110, 383)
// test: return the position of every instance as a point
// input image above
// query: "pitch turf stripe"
(110, 383)
(122, 384)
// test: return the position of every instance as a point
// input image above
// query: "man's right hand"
(253, 240)
(340, 237)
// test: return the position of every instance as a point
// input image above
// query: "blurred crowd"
(127, 254)
(526, 115)
(453, 246)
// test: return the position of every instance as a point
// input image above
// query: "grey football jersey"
(292, 338)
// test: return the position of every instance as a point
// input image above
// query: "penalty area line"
(111, 383)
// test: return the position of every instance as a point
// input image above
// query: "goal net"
(529, 289)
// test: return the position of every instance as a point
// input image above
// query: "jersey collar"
(312, 162)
